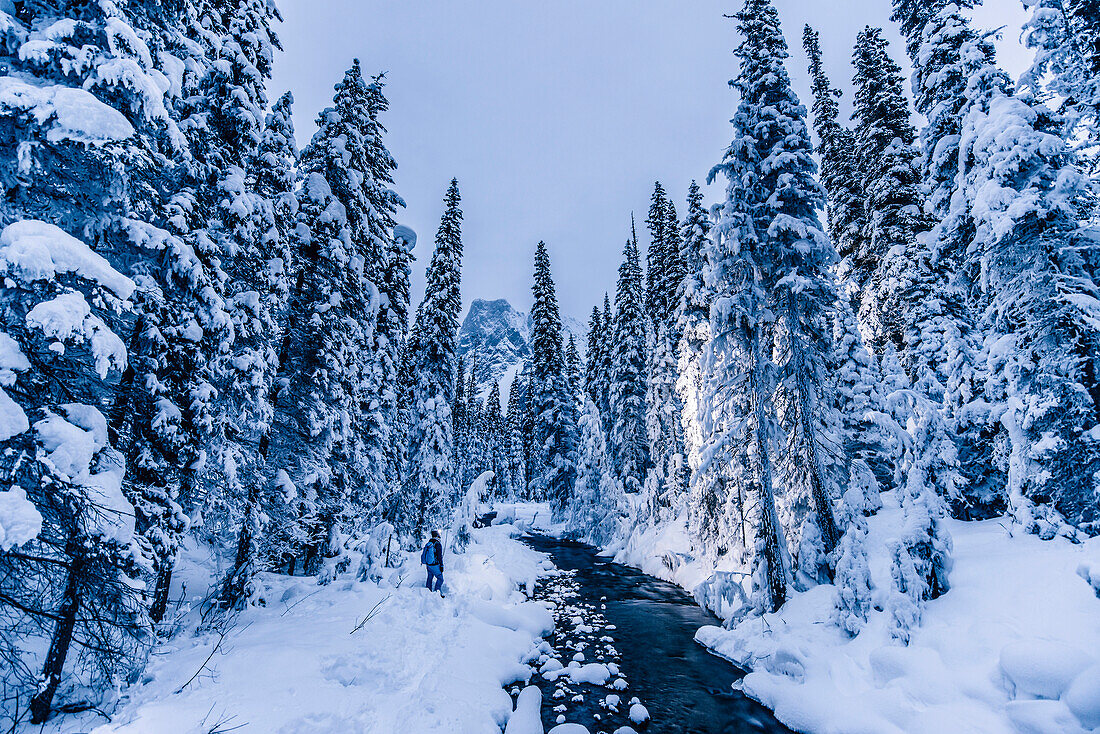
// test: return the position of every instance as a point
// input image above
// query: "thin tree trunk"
(775, 576)
(160, 593)
(41, 704)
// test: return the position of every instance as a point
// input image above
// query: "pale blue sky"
(557, 116)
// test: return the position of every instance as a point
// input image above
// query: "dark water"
(685, 689)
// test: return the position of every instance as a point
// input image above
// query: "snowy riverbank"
(419, 664)
(1014, 647)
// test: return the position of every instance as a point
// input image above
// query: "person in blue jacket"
(432, 557)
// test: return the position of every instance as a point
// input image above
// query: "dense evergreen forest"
(208, 333)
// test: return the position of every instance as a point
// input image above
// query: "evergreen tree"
(1066, 37)
(391, 249)
(514, 420)
(693, 324)
(552, 401)
(272, 177)
(88, 189)
(593, 357)
(857, 390)
(944, 338)
(771, 265)
(430, 474)
(573, 369)
(596, 510)
(607, 349)
(627, 375)
(839, 175)
(892, 202)
(674, 271)
(853, 574)
(657, 254)
(496, 443)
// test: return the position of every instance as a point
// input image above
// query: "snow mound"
(1010, 648)
(527, 718)
(569, 729)
(1042, 668)
(32, 250)
(67, 113)
(20, 521)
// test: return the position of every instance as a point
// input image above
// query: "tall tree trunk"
(823, 506)
(160, 593)
(775, 576)
(41, 704)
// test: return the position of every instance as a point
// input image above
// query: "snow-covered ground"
(1013, 647)
(309, 663)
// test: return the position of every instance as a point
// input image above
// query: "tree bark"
(41, 704)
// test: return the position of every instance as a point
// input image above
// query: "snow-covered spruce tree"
(574, 378)
(667, 482)
(795, 260)
(429, 474)
(320, 408)
(857, 384)
(656, 255)
(272, 177)
(853, 574)
(75, 576)
(252, 254)
(552, 402)
(596, 510)
(840, 176)
(627, 381)
(773, 260)
(391, 246)
(1025, 197)
(496, 441)
(944, 342)
(753, 231)
(460, 422)
(315, 387)
(890, 180)
(593, 357)
(921, 557)
(93, 152)
(393, 328)
(1066, 37)
(514, 441)
(674, 271)
(693, 324)
(606, 355)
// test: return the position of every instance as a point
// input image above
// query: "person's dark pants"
(435, 572)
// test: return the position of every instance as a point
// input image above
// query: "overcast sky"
(556, 117)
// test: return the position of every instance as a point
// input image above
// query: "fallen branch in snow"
(222, 634)
(284, 612)
(220, 726)
(371, 614)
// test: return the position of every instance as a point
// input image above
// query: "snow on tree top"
(33, 250)
(67, 113)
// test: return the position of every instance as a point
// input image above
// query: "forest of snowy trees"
(207, 332)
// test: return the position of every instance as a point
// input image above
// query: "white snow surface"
(20, 521)
(32, 250)
(1014, 646)
(67, 113)
(13, 420)
(422, 664)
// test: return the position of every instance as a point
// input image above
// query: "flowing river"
(643, 629)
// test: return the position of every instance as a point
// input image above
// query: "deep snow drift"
(1014, 646)
(352, 656)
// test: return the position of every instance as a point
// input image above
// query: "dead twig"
(371, 614)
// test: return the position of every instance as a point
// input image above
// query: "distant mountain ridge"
(495, 339)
